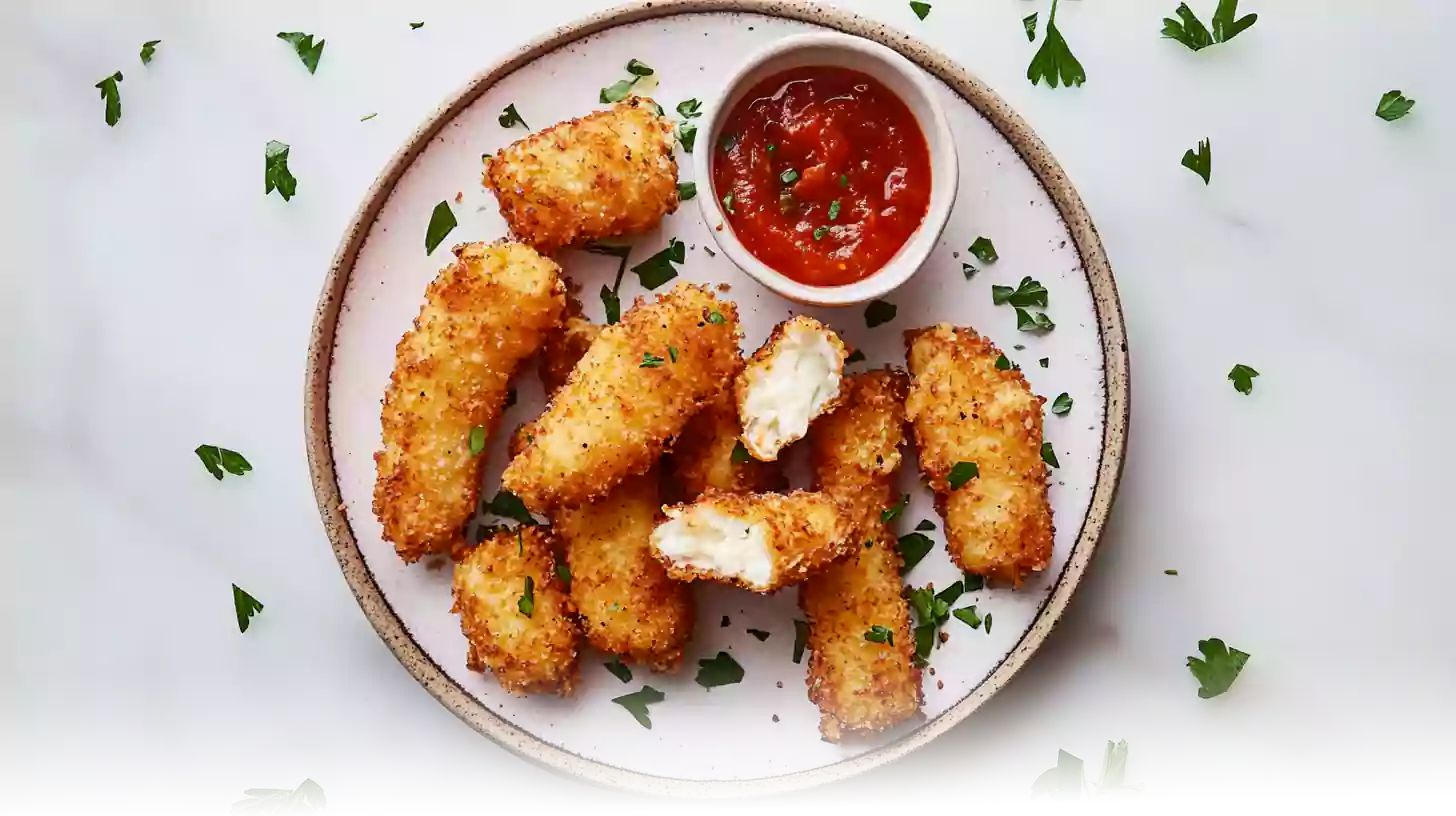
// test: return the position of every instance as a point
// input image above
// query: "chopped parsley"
(1028, 321)
(834, 210)
(801, 639)
(1026, 294)
(974, 583)
(672, 353)
(1062, 405)
(931, 613)
(510, 117)
(1170, 572)
(416, 26)
(276, 175)
(984, 250)
(477, 440)
(878, 313)
(962, 472)
(988, 623)
(890, 513)
(1200, 162)
(728, 204)
(687, 191)
(659, 269)
(968, 616)
(619, 669)
(1048, 455)
(716, 317)
(366, 117)
(527, 603)
(1003, 364)
(924, 525)
(719, 670)
(1065, 781)
(1045, 362)
(246, 606)
(739, 454)
(563, 572)
(1054, 61)
(843, 181)
(308, 51)
(1190, 31)
(621, 89)
(637, 702)
(508, 505)
(922, 10)
(1393, 105)
(442, 223)
(650, 360)
(968, 270)
(1029, 23)
(728, 142)
(689, 109)
(789, 176)
(1218, 669)
(759, 633)
(952, 593)
(638, 68)
(687, 136)
(1243, 378)
(612, 303)
(217, 460)
(820, 232)
(856, 356)
(913, 547)
(148, 49)
(879, 634)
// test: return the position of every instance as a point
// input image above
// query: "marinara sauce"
(824, 174)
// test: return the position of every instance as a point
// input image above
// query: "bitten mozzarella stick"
(793, 378)
(703, 457)
(608, 174)
(998, 520)
(635, 389)
(515, 614)
(860, 685)
(483, 315)
(759, 542)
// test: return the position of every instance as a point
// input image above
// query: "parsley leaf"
(879, 634)
(931, 612)
(1048, 455)
(148, 49)
(988, 623)
(951, 594)
(922, 10)
(1033, 321)
(968, 616)
(687, 191)
(1200, 162)
(1062, 782)
(1393, 105)
(728, 204)
(246, 606)
(612, 304)
(878, 313)
(1218, 669)
(968, 270)
(366, 117)
(672, 353)
(217, 460)
(834, 208)
(820, 232)
(687, 135)
(1003, 364)
(1243, 378)
(716, 318)
(984, 250)
(925, 524)
(728, 142)
(510, 117)
(801, 639)
(1062, 405)
(1054, 60)
(739, 455)
(789, 176)
(890, 513)
(1170, 572)
(617, 91)
(304, 45)
(974, 583)
(1045, 362)
(962, 472)
(637, 702)
(416, 26)
(112, 95)
(1225, 26)
(720, 670)
(1192, 33)
(913, 547)
(477, 440)
(658, 269)
(1029, 23)
(638, 68)
(690, 109)
(527, 603)
(619, 669)
(759, 633)
(442, 222)
(1028, 293)
(650, 360)
(856, 356)
(507, 505)
(564, 573)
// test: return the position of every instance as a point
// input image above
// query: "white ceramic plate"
(763, 729)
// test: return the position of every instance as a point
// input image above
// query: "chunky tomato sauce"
(824, 174)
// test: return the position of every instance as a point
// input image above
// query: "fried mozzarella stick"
(998, 523)
(516, 617)
(628, 604)
(793, 378)
(703, 457)
(760, 542)
(483, 315)
(635, 389)
(608, 174)
(861, 686)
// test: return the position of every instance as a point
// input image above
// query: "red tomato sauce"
(828, 174)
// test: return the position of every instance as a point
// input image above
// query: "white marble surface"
(153, 299)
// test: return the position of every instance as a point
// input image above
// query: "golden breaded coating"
(760, 542)
(631, 394)
(563, 349)
(483, 315)
(628, 604)
(702, 457)
(529, 653)
(861, 686)
(793, 378)
(964, 409)
(608, 174)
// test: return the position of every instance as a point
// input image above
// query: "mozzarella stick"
(483, 315)
(564, 349)
(516, 616)
(633, 392)
(861, 686)
(998, 522)
(608, 174)
(760, 542)
(708, 455)
(793, 378)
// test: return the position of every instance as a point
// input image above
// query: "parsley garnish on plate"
(856, 356)
(913, 548)
(1026, 294)
(1054, 61)
(968, 616)
(739, 454)
(619, 669)
(931, 612)
(246, 606)
(1190, 31)
(719, 670)
(922, 10)
(984, 250)
(366, 117)
(1243, 378)
(303, 800)
(308, 51)
(890, 513)
(968, 270)
(527, 603)
(650, 360)
(510, 117)
(217, 460)
(477, 440)
(1062, 405)
(1033, 321)
(952, 593)
(974, 583)
(925, 524)
(612, 304)
(687, 191)
(1029, 23)
(1045, 362)
(1003, 364)
(442, 222)
(610, 300)
(716, 317)
(638, 68)
(880, 634)
(112, 94)
(148, 49)
(1048, 455)
(1393, 105)
(1170, 572)
(508, 505)
(659, 269)
(962, 472)
(416, 26)
(1218, 669)
(988, 623)
(801, 638)
(759, 633)
(621, 89)
(1065, 781)
(689, 109)
(1200, 162)
(637, 702)
(687, 135)
(879, 312)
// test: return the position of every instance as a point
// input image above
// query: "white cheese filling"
(706, 538)
(783, 396)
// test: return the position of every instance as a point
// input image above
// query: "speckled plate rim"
(430, 675)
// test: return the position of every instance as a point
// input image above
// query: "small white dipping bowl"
(903, 79)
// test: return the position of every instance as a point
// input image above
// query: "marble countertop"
(155, 299)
